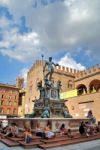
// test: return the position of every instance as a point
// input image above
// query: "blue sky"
(67, 30)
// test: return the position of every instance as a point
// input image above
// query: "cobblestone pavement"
(93, 145)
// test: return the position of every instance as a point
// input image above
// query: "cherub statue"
(46, 113)
(66, 113)
(41, 89)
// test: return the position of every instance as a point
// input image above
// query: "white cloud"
(4, 1)
(16, 45)
(77, 16)
(68, 61)
(23, 73)
(61, 25)
(4, 23)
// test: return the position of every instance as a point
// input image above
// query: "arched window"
(70, 84)
(82, 89)
(94, 85)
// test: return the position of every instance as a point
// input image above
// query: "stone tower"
(20, 82)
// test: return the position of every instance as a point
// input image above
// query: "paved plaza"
(93, 145)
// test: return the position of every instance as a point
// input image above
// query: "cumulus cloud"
(68, 61)
(23, 73)
(58, 26)
(16, 45)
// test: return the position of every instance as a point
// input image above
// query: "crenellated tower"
(20, 82)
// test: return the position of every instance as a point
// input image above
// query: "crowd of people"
(44, 132)
(86, 128)
(10, 131)
(47, 132)
(89, 127)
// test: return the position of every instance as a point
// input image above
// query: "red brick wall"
(10, 95)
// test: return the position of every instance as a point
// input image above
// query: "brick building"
(12, 99)
(87, 84)
(9, 95)
(21, 100)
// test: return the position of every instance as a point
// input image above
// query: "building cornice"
(62, 73)
(87, 76)
(9, 86)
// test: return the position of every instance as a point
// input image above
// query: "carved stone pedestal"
(54, 108)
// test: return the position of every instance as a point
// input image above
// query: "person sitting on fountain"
(83, 129)
(48, 133)
(46, 113)
(91, 117)
(64, 131)
(39, 131)
(28, 135)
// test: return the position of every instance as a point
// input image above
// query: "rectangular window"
(2, 96)
(9, 103)
(10, 92)
(9, 97)
(15, 103)
(1, 110)
(2, 102)
(8, 111)
(15, 111)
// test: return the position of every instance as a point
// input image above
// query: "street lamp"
(42, 57)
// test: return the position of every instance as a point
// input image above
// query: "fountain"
(49, 108)
(49, 104)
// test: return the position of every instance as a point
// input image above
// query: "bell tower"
(20, 82)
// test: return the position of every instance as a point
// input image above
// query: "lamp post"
(42, 57)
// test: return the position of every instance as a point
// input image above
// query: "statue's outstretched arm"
(55, 64)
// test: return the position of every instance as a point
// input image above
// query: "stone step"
(9, 142)
(30, 145)
(70, 141)
(61, 138)
(15, 139)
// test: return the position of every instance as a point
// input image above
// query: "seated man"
(8, 132)
(4, 129)
(28, 135)
(89, 129)
(91, 117)
(15, 130)
(48, 132)
(11, 131)
(39, 131)
(82, 128)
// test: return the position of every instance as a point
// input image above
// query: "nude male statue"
(50, 65)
